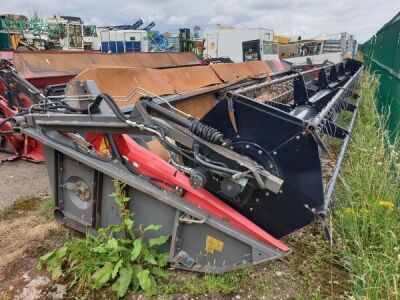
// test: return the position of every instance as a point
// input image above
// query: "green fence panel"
(382, 55)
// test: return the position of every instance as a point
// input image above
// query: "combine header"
(226, 184)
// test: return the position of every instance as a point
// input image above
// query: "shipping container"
(227, 42)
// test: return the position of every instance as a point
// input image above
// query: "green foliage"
(368, 216)
(225, 284)
(114, 257)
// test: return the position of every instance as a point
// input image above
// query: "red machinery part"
(149, 164)
(19, 145)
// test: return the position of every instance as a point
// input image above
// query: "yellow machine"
(281, 39)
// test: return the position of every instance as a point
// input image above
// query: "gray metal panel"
(74, 207)
(157, 206)
(193, 240)
(49, 155)
(148, 210)
(110, 212)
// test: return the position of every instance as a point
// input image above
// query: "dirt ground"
(27, 231)
(20, 179)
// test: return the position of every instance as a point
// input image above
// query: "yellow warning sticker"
(212, 245)
(103, 147)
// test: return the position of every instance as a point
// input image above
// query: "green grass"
(367, 218)
(209, 284)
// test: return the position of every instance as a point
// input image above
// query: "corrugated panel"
(241, 71)
(59, 63)
(121, 81)
(184, 58)
(191, 78)
(382, 54)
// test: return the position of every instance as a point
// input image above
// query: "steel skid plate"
(199, 241)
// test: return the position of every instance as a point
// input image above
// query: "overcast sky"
(308, 18)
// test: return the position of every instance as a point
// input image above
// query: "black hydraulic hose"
(115, 150)
(114, 107)
(92, 107)
(209, 165)
(7, 119)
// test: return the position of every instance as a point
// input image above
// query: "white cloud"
(307, 18)
(221, 19)
(173, 20)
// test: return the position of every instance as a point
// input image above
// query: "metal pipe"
(169, 115)
(332, 182)
(321, 116)
(281, 79)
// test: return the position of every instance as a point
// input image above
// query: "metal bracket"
(300, 90)
(341, 70)
(323, 80)
(333, 74)
(349, 106)
(334, 130)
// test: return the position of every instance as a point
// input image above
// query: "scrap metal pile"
(226, 170)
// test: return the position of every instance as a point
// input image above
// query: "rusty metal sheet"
(154, 59)
(232, 72)
(258, 67)
(122, 60)
(197, 106)
(184, 58)
(60, 63)
(240, 71)
(185, 79)
(120, 82)
(127, 85)
(278, 66)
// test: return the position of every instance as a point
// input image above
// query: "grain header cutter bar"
(237, 179)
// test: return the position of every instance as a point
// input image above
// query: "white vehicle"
(65, 33)
(227, 42)
(120, 41)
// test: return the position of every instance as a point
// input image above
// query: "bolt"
(274, 153)
(247, 146)
(257, 200)
(251, 209)
(280, 191)
(267, 194)
(271, 166)
(231, 147)
(297, 137)
(238, 136)
(259, 152)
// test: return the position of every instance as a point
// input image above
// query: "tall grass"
(367, 222)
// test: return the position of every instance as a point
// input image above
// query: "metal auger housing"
(226, 186)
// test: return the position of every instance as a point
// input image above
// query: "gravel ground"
(21, 179)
